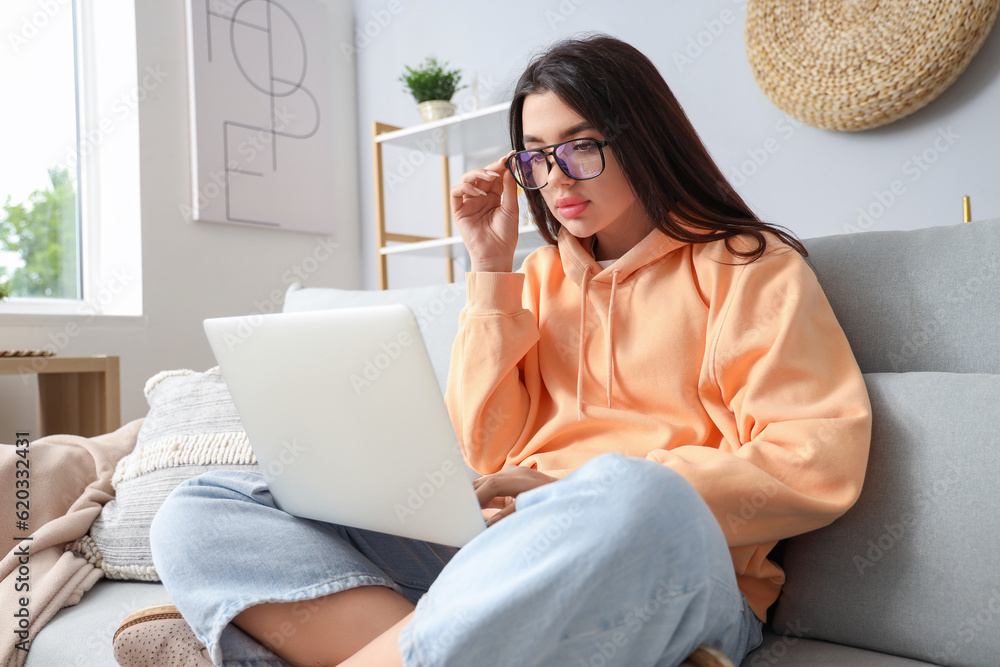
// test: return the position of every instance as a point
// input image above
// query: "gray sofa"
(910, 575)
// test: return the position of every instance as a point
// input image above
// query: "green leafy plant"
(431, 81)
(4, 291)
(42, 230)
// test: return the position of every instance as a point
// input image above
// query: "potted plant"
(4, 291)
(433, 86)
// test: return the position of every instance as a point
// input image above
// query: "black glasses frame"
(562, 167)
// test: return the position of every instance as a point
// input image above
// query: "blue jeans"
(620, 563)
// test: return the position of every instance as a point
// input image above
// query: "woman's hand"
(484, 207)
(497, 491)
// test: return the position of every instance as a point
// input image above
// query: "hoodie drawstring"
(611, 333)
(584, 285)
(583, 320)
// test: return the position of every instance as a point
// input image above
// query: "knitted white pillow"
(192, 427)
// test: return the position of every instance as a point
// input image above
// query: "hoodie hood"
(580, 266)
(576, 256)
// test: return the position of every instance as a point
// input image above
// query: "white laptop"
(344, 414)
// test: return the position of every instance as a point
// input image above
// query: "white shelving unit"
(469, 136)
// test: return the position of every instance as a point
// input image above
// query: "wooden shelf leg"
(61, 403)
(448, 256)
(112, 414)
(86, 403)
(383, 268)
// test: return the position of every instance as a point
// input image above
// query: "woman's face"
(605, 205)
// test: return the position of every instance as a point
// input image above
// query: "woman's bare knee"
(324, 631)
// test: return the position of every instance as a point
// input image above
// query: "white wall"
(812, 181)
(190, 270)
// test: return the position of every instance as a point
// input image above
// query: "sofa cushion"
(80, 635)
(912, 569)
(436, 309)
(192, 427)
(916, 300)
(788, 649)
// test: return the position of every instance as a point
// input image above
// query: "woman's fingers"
(479, 182)
(500, 489)
(483, 177)
(484, 206)
(508, 482)
(461, 194)
(507, 511)
(509, 198)
(467, 189)
(472, 190)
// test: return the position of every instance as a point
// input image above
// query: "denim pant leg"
(220, 545)
(620, 563)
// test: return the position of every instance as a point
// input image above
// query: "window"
(70, 234)
(39, 218)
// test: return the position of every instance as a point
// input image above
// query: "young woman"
(654, 400)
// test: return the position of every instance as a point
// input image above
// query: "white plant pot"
(436, 110)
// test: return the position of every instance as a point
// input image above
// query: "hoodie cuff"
(494, 292)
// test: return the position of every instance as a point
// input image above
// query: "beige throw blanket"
(69, 482)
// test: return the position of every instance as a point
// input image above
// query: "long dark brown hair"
(618, 90)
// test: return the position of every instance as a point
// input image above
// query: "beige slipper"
(158, 636)
(706, 656)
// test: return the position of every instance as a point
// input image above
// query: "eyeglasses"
(580, 159)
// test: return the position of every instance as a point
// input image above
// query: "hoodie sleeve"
(787, 393)
(493, 378)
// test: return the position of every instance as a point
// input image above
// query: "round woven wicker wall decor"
(858, 64)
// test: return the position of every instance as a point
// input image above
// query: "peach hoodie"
(738, 376)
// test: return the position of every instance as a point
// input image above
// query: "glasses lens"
(581, 159)
(531, 169)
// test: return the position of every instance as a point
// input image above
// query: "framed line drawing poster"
(262, 126)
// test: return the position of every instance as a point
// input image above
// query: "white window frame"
(109, 88)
